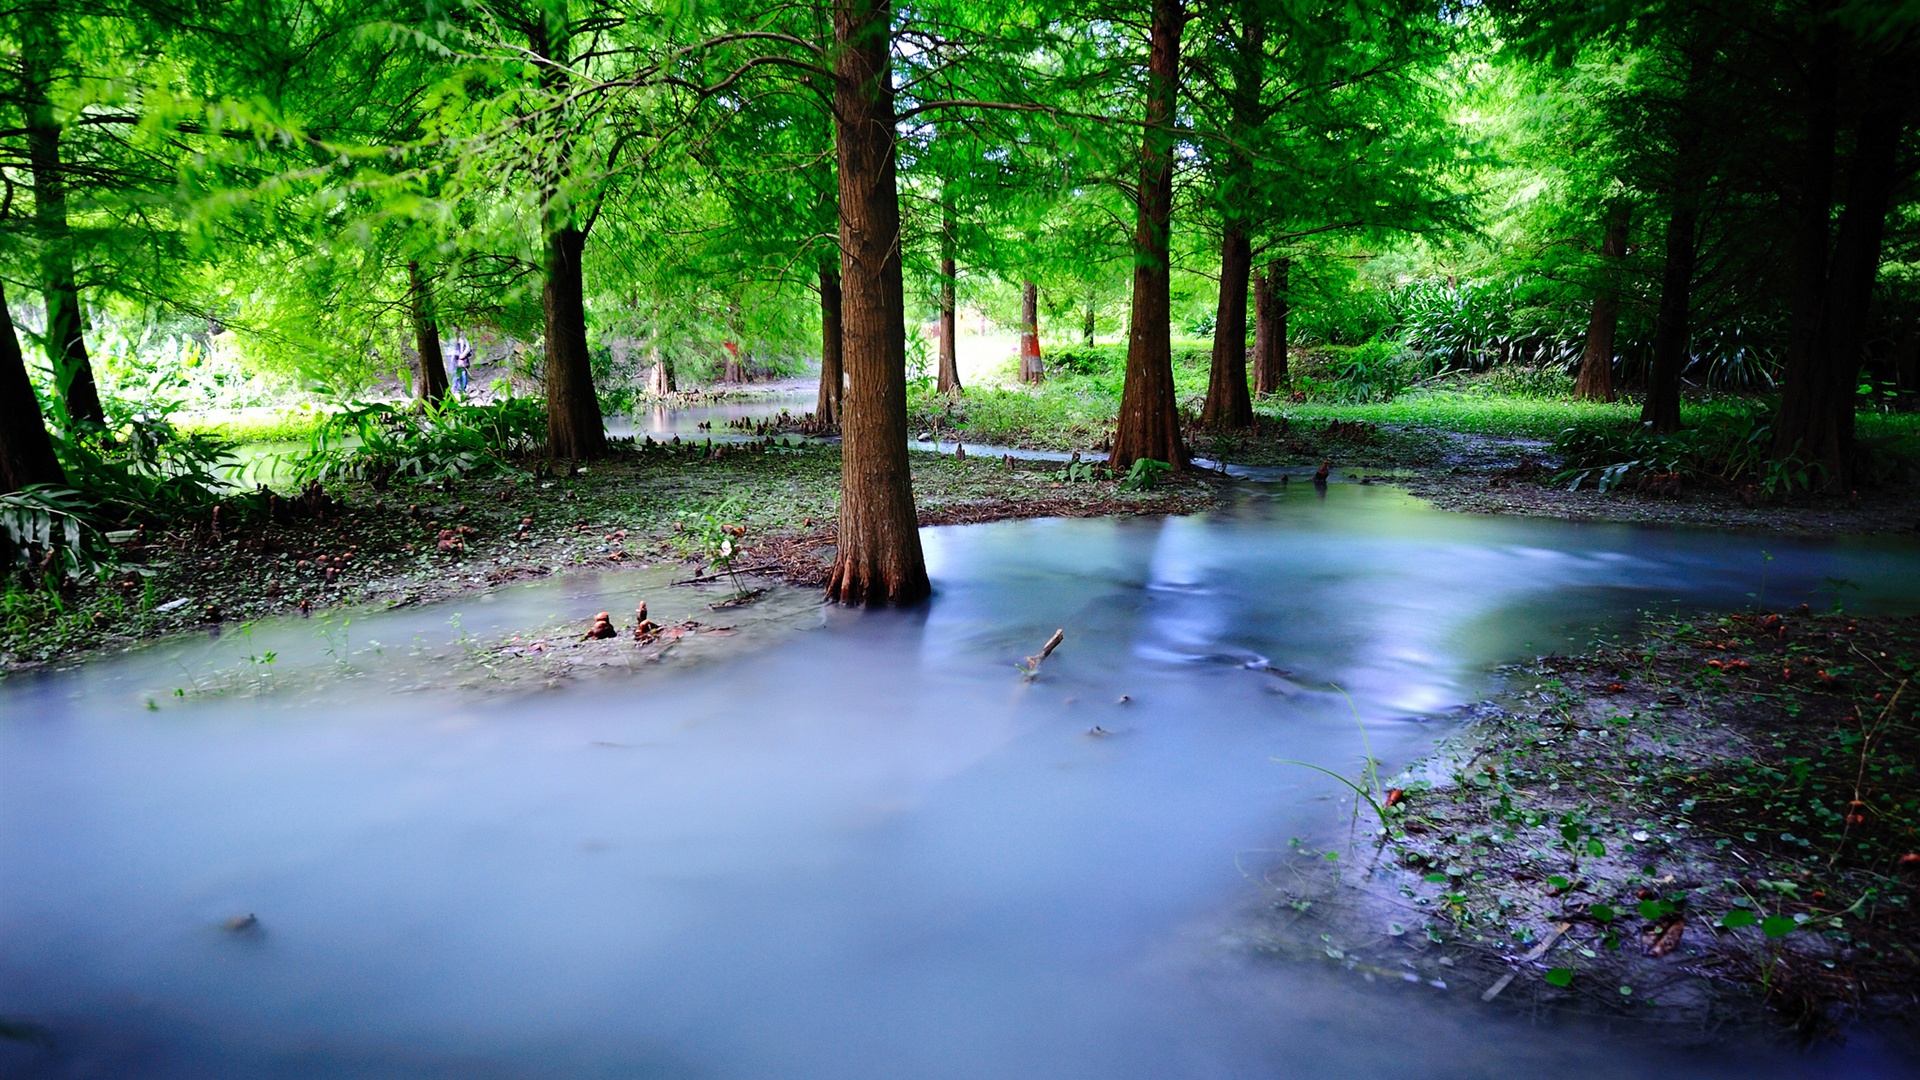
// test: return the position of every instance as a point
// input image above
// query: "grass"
(256, 425)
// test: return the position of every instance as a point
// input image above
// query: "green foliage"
(52, 529)
(1145, 474)
(1728, 446)
(419, 441)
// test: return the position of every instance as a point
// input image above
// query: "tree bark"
(575, 430)
(1149, 422)
(1804, 409)
(1228, 405)
(1595, 382)
(26, 451)
(40, 54)
(826, 407)
(1086, 327)
(878, 560)
(1672, 333)
(1872, 176)
(1032, 369)
(1270, 328)
(432, 384)
(949, 379)
(660, 375)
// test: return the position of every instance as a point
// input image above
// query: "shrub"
(420, 441)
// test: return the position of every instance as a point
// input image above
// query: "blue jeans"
(460, 379)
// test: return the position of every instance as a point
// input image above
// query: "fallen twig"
(702, 579)
(1032, 664)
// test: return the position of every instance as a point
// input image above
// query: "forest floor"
(773, 507)
(1711, 820)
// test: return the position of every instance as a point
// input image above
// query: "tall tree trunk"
(1672, 331)
(1595, 382)
(949, 380)
(1270, 328)
(878, 560)
(1872, 176)
(833, 377)
(1227, 403)
(575, 430)
(40, 55)
(1149, 422)
(26, 452)
(1672, 338)
(1086, 326)
(432, 384)
(1032, 368)
(1805, 411)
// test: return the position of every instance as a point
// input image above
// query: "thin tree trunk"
(1804, 388)
(826, 407)
(949, 379)
(1149, 422)
(1595, 382)
(66, 343)
(1032, 369)
(575, 430)
(432, 384)
(1086, 328)
(660, 375)
(26, 451)
(878, 560)
(1228, 405)
(1270, 328)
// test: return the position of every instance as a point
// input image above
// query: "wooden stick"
(702, 580)
(1533, 954)
(1033, 662)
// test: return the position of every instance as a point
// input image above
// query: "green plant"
(421, 441)
(51, 528)
(1145, 474)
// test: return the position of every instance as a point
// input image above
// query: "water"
(864, 849)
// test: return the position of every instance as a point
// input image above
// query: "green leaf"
(1595, 848)
(1654, 909)
(1437, 878)
(1558, 882)
(1601, 912)
(1737, 918)
(1777, 926)
(1561, 976)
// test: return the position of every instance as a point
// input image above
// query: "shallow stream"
(864, 849)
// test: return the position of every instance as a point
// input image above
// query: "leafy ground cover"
(1720, 812)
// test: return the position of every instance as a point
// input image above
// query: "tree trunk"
(826, 407)
(1872, 176)
(1227, 403)
(26, 453)
(66, 344)
(949, 380)
(1086, 328)
(1149, 422)
(574, 427)
(1270, 328)
(878, 560)
(1595, 382)
(1032, 368)
(432, 384)
(1804, 409)
(1672, 333)
(660, 375)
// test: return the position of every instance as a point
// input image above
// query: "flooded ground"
(869, 848)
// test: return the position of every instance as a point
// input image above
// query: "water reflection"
(872, 850)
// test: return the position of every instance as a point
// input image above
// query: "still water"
(867, 848)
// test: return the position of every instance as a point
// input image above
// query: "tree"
(432, 384)
(26, 452)
(1149, 422)
(1270, 328)
(1033, 370)
(948, 381)
(878, 560)
(1595, 378)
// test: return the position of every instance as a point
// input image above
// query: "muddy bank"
(693, 510)
(1713, 820)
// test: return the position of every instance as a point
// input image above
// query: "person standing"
(462, 360)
